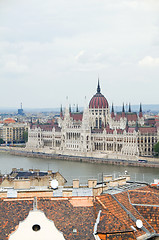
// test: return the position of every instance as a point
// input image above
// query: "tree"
(1, 141)
(156, 148)
(25, 136)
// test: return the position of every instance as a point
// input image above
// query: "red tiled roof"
(98, 101)
(109, 203)
(11, 213)
(151, 214)
(46, 127)
(77, 116)
(144, 197)
(116, 212)
(131, 129)
(118, 116)
(9, 120)
(109, 223)
(66, 218)
(115, 218)
(145, 129)
(131, 117)
(146, 201)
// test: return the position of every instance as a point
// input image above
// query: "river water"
(76, 170)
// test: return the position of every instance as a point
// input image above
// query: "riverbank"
(150, 162)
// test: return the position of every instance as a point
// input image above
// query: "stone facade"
(13, 132)
(97, 132)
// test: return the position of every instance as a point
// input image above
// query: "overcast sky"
(57, 48)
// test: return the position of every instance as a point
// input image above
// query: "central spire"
(98, 87)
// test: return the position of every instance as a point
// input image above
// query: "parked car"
(142, 160)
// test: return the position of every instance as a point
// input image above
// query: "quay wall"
(151, 162)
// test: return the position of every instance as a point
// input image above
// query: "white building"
(96, 132)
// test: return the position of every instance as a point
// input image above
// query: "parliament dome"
(98, 100)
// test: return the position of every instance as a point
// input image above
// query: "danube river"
(76, 170)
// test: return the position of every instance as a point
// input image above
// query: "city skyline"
(51, 50)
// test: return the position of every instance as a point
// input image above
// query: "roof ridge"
(125, 223)
(132, 217)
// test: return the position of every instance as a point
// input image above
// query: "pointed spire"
(70, 108)
(129, 108)
(123, 110)
(140, 111)
(112, 113)
(112, 108)
(61, 113)
(140, 108)
(98, 87)
(77, 108)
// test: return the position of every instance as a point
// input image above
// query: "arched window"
(96, 122)
(100, 122)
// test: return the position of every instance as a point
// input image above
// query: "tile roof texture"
(11, 213)
(151, 214)
(146, 201)
(144, 130)
(144, 197)
(66, 218)
(119, 220)
(118, 215)
(77, 116)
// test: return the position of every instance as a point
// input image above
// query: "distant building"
(97, 131)
(20, 111)
(13, 132)
(20, 178)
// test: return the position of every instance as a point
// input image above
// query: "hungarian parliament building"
(96, 132)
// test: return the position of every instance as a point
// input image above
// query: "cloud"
(15, 67)
(79, 55)
(58, 44)
(11, 63)
(149, 61)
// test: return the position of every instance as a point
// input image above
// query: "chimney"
(107, 178)
(75, 183)
(14, 169)
(92, 183)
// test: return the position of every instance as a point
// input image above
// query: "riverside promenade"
(138, 161)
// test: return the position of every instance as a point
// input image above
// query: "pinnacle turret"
(140, 111)
(77, 108)
(112, 113)
(123, 110)
(70, 108)
(98, 87)
(129, 108)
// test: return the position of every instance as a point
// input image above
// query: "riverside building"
(96, 132)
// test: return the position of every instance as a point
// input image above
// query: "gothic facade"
(97, 131)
